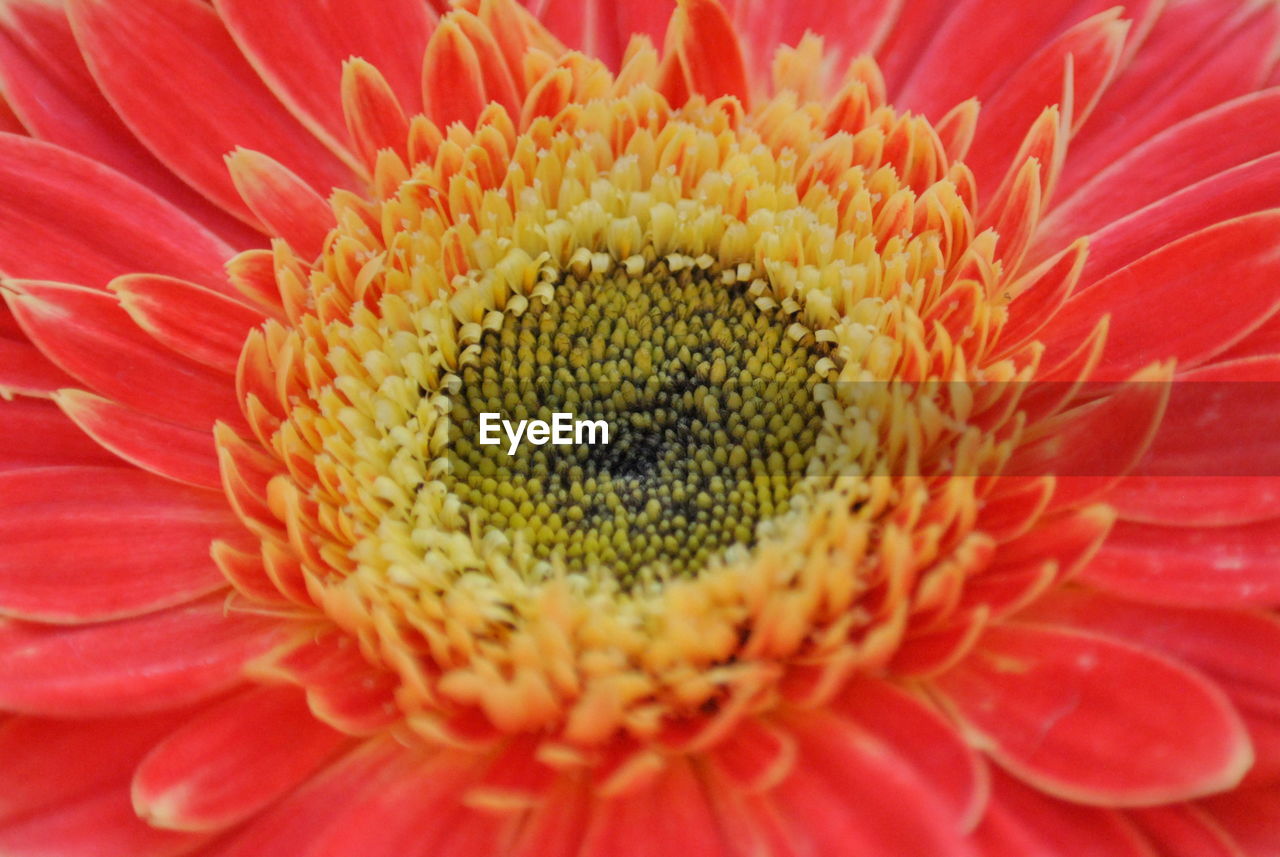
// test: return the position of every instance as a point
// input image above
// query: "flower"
(860, 570)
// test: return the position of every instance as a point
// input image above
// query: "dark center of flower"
(707, 395)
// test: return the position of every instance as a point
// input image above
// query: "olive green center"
(708, 395)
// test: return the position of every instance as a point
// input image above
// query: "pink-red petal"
(51, 762)
(1158, 304)
(304, 70)
(1072, 714)
(45, 78)
(331, 801)
(1021, 822)
(191, 320)
(1196, 501)
(149, 663)
(1200, 54)
(850, 792)
(1183, 830)
(90, 223)
(925, 739)
(281, 201)
(1236, 192)
(175, 452)
(89, 335)
(1249, 817)
(234, 759)
(709, 52)
(1223, 566)
(36, 434)
(179, 82)
(97, 825)
(1083, 58)
(1195, 149)
(673, 814)
(84, 544)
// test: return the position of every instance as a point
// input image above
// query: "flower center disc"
(709, 409)
(729, 294)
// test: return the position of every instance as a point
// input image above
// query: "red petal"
(186, 455)
(1234, 193)
(253, 275)
(908, 44)
(1200, 54)
(1226, 565)
(232, 761)
(924, 739)
(497, 70)
(979, 47)
(1249, 818)
(1066, 445)
(1157, 304)
(1023, 823)
(387, 822)
(1259, 368)
(91, 224)
(36, 434)
(333, 800)
(1223, 644)
(1025, 567)
(1194, 501)
(374, 118)
(1014, 506)
(849, 27)
(153, 662)
(246, 469)
(452, 85)
(672, 816)
(51, 762)
(70, 540)
(89, 335)
(1218, 428)
(50, 86)
(91, 827)
(555, 828)
(517, 779)
(180, 83)
(1058, 708)
(935, 651)
(1066, 540)
(343, 688)
(599, 28)
(1264, 732)
(245, 571)
(1205, 145)
(709, 52)
(305, 69)
(1041, 293)
(282, 201)
(850, 793)
(9, 122)
(1084, 57)
(24, 370)
(1183, 831)
(755, 756)
(1263, 342)
(1016, 217)
(189, 319)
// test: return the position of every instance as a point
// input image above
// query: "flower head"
(861, 334)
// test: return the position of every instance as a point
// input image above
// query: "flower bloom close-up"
(593, 429)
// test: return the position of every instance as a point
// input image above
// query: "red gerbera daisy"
(859, 569)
